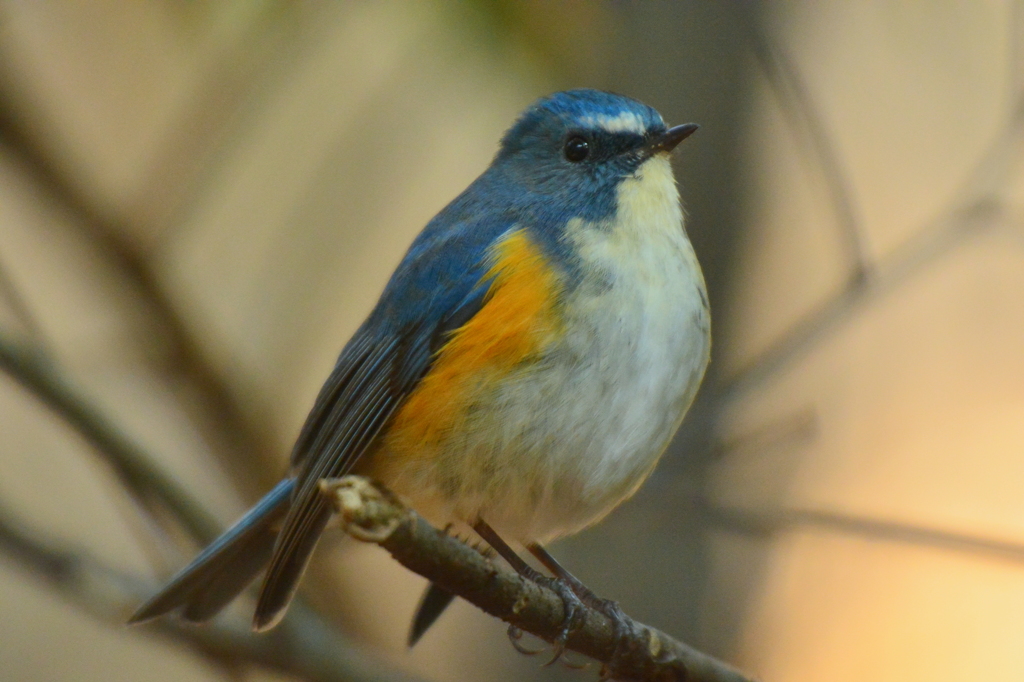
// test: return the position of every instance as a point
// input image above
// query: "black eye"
(576, 149)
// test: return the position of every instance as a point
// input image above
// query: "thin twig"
(371, 514)
(784, 78)
(978, 197)
(979, 206)
(769, 522)
(142, 479)
(16, 300)
(184, 351)
(303, 646)
(145, 536)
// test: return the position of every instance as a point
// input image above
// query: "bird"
(521, 374)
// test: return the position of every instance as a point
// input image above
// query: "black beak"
(668, 140)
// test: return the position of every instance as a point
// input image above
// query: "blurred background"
(199, 202)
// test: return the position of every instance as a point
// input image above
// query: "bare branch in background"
(141, 477)
(185, 353)
(302, 646)
(371, 514)
(796, 102)
(764, 523)
(10, 293)
(976, 207)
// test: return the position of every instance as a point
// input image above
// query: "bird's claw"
(515, 635)
(622, 628)
(574, 618)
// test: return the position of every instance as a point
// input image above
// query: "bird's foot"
(572, 607)
(622, 628)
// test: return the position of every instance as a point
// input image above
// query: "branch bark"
(372, 514)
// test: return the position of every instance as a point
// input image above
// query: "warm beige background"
(200, 201)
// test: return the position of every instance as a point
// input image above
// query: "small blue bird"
(521, 374)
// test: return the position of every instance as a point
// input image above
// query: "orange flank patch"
(514, 324)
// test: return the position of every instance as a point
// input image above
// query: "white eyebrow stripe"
(625, 122)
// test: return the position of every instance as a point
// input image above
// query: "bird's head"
(575, 148)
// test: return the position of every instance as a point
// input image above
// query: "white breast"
(562, 442)
(589, 428)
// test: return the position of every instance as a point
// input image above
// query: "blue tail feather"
(227, 566)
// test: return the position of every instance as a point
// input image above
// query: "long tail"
(227, 566)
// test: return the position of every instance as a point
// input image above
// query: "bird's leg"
(571, 604)
(620, 623)
(581, 590)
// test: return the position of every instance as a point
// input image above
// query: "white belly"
(564, 440)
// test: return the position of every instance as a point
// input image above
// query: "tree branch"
(808, 125)
(764, 523)
(141, 477)
(372, 514)
(304, 645)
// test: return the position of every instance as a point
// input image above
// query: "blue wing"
(436, 289)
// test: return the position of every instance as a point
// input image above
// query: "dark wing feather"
(346, 429)
(341, 428)
(438, 287)
(316, 425)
